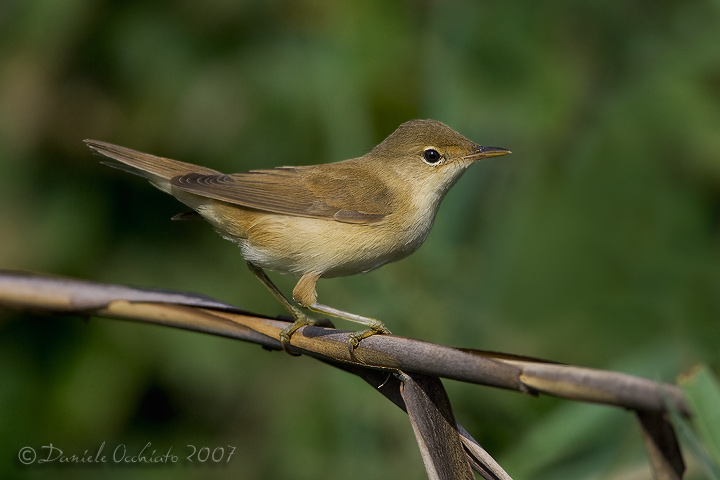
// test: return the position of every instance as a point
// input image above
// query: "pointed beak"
(484, 152)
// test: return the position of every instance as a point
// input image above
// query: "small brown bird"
(327, 220)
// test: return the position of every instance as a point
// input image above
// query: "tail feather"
(144, 164)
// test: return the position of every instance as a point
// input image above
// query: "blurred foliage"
(702, 391)
(595, 243)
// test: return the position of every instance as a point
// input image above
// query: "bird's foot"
(301, 320)
(375, 328)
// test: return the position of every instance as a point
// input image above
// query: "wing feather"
(331, 192)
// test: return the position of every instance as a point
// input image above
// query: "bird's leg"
(374, 326)
(301, 319)
(305, 294)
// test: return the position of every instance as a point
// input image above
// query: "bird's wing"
(331, 192)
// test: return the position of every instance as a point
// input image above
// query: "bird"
(326, 220)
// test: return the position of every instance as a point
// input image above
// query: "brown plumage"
(325, 220)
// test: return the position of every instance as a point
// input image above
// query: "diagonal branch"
(195, 312)
(418, 360)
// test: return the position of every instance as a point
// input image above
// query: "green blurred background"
(596, 243)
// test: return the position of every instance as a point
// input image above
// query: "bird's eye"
(431, 156)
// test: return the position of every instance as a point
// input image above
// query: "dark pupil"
(431, 155)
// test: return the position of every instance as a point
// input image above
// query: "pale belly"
(297, 245)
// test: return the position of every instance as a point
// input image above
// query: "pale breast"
(298, 245)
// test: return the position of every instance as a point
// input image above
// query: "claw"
(286, 333)
(377, 328)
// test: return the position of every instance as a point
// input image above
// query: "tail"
(158, 170)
